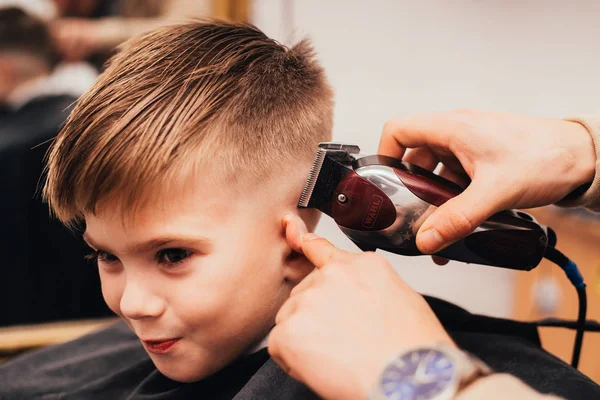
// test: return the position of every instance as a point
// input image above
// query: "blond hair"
(195, 95)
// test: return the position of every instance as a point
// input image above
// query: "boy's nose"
(138, 302)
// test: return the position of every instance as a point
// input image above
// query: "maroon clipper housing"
(380, 202)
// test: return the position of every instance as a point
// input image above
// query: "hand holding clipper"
(380, 203)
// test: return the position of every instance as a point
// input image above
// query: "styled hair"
(216, 99)
(23, 33)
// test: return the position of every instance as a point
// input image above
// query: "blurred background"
(383, 58)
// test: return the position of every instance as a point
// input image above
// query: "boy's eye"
(101, 256)
(173, 256)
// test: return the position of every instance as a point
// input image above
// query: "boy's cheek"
(112, 291)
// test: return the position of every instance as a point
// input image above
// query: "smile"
(160, 346)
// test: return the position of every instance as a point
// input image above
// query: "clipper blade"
(332, 162)
(311, 181)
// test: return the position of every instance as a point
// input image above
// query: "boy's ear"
(296, 266)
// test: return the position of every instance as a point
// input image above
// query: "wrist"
(435, 372)
(371, 370)
(583, 153)
(109, 32)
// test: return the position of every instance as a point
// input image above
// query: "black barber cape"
(112, 364)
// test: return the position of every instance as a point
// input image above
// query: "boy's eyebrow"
(152, 244)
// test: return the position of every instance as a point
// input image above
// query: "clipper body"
(380, 203)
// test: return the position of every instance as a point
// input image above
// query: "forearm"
(501, 387)
(591, 197)
(118, 29)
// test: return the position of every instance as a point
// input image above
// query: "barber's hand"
(345, 320)
(511, 161)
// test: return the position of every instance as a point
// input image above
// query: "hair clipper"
(380, 202)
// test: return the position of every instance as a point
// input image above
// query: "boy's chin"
(184, 371)
(187, 366)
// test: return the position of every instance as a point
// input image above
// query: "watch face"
(418, 375)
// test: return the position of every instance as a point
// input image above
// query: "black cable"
(577, 280)
(590, 326)
(580, 326)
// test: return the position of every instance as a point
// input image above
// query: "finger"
(294, 229)
(461, 215)
(389, 144)
(422, 157)
(287, 310)
(275, 348)
(276, 351)
(454, 165)
(320, 251)
(310, 281)
(279, 361)
(417, 131)
(461, 179)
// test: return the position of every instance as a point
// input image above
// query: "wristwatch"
(430, 373)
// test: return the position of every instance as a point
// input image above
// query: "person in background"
(26, 55)
(92, 29)
(36, 95)
(30, 72)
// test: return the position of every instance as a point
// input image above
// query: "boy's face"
(199, 278)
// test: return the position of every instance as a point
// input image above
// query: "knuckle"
(464, 120)
(279, 317)
(273, 343)
(295, 291)
(288, 329)
(390, 126)
(293, 332)
(458, 223)
(378, 264)
(310, 300)
(332, 271)
(306, 298)
(371, 257)
(283, 335)
(335, 257)
(336, 272)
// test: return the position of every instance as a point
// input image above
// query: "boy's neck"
(259, 346)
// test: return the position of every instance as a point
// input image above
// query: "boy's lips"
(160, 346)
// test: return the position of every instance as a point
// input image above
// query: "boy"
(182, 162)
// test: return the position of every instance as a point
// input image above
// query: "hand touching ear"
(346, 319)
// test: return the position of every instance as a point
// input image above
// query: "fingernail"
(309, 236)
(430, 241)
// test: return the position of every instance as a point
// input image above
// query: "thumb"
(460, 215)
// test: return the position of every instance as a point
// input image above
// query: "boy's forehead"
(155, 223)
(167, 207)
(192, 195)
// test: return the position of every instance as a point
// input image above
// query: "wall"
(388, 58)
